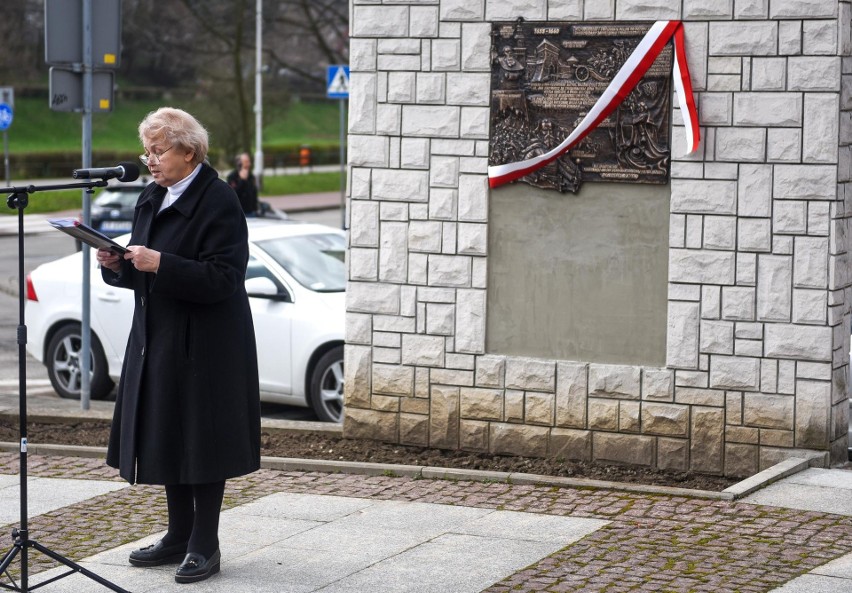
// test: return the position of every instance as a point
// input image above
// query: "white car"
(295, 281)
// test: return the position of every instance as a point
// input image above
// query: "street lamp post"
(258, 95)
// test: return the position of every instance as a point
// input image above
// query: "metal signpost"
(81, 80)
(337, 87)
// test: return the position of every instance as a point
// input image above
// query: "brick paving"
(664, 544)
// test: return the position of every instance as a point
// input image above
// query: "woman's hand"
(143, 259)
(109, 260)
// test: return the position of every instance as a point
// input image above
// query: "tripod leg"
(7, 560)
(73, 565)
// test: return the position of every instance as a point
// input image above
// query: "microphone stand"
(18, 198)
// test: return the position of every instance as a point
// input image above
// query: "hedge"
(47, 165)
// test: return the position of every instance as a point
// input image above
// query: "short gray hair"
(177, 127)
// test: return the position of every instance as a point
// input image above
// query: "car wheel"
(63, 365)
(327, 386)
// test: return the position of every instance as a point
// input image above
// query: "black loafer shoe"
(157, 554)
(196, 567)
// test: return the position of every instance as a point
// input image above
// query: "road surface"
(50, 245)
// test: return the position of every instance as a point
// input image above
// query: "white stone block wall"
(760, 290)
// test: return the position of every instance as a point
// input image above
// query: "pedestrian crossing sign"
(337, 82)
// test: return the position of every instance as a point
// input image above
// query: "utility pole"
(258, 95)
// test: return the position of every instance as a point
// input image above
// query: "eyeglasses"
(148, 158)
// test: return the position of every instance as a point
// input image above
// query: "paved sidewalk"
(309, 542)
(311, 531)
(317, 526)
(305, 202)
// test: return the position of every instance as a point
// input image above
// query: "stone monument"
(702, 324)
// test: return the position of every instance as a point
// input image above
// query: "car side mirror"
(263, 288)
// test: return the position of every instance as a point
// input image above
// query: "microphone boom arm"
(34, 188)
(18, 195)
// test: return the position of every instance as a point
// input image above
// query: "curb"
(58, 450)
(738, 490)
(273, 425)
(780, 470)
(62, 418)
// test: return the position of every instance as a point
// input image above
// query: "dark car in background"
(112, 209)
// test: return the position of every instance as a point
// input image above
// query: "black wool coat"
(188, 404)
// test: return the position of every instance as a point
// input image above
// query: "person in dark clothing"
(243, 183)
(187, 411)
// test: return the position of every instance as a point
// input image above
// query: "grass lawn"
(308, 183)
(314, 123)
(37, 128)
(49, 201)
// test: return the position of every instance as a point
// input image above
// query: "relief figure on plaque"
(509, 98)
(509, 137)
(562, 174)
(606, 62)
(511, 69)
(636, 135)
(588, 147)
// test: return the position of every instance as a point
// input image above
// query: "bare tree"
(219, 50)
(157, 47)
(22, 32)
(308, 35)
(205, 47)
(300, 37)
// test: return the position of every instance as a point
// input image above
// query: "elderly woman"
(187, 413)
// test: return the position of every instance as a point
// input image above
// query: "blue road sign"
(5, 117)
(337, 82)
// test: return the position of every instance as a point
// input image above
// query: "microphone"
(123, 172)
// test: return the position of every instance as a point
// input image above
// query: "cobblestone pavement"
(657, 543)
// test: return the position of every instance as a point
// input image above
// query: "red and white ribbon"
(624, 82)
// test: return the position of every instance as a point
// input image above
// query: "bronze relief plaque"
(545, 77)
